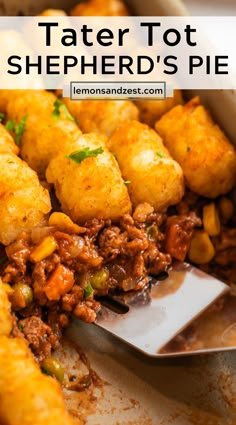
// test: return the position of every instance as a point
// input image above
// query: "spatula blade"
(152, 321)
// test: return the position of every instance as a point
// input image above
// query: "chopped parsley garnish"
(10, 125)
(88, 290)
(79, 156)
(115, 156)
(188, 148)
(17, 128)
(127, 182)
(58, 107)
(160, 154)
(2, 116)
(20, 327)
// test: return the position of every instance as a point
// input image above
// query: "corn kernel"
(44, 249)
(62, 222)
(211, 220)
(201, 249)
(226, 208)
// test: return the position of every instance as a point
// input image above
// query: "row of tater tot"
(95, 187)
(28, 396)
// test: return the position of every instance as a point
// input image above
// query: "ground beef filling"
(107, 258)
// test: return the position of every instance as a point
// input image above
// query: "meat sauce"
(125, 255)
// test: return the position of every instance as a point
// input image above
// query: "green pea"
(99, 279)
(153, 232)
(52, 367)
(22, 296)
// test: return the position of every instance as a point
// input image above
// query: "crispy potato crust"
(37, 103)
(5, 312)
(207, 157)
(42, 140)
(7, 143)
(101, 116)
(23, 201)
(144, 161)
(152, 110)
(26, 395)
(100, 8)
(93, 188)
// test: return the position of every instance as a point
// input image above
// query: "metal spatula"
(149, 320)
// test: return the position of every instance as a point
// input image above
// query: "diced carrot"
(59, 283)
(177, 242)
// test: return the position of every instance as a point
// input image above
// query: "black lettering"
(29, 65)
(140, 61)
(125, 62)
(50, 64)
(85, 30)
(168, 62)
(194, 62)
(218, 64)
(166, 35)
(85, 65)
(121, 34)
(150, 26)
(188, 31)
(69, 62)
(10, 62)
(48, 26)
(105, 64)
(101, 35)
(72, 38)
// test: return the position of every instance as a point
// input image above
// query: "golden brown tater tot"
(7, 143)
(23, 201)
(5, 312)
(152, 110)
(100, 8)
(153, 176)
(101, 116)
(26, 395)
(207, 157)
(93, 188)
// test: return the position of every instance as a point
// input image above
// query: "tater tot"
(38, 103)
(153, 176)
(23, 201)
(93, 188)
(101, 116)
(5, 312)
(42, 140)
(152, 110)
(53, 12)
(26, 395)
(7, 143)
(205, 154)
(100, 8)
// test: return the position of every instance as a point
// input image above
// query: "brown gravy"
(216, 328)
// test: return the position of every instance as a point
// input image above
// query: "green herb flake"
(10, 125)
(79, 156)
(2, 116)
(115, 156)
(45, 372)
(20, 327)
(88, 290)
(58, 107)
(160, 154)
(127, 182)
(188, 148)
(17, 128)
